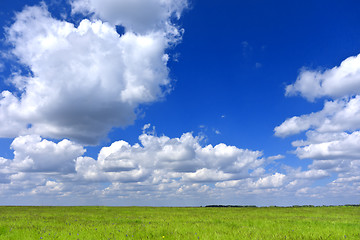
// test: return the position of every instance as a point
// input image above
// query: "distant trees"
(238, 206)
(293, 206)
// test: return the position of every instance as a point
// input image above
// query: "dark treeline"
(294, 206)
(231, 206)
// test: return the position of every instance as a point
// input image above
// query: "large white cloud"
(162, 159)
(84, 80)
(337, 82)
(140, 16)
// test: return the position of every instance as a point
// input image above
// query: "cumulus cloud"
(140, 16)
(162, 158)
(33, 154)
(337, 115)
(49, 188)
(345, 146)
(83, 80)
(330, 153)
(156, 166)
(5, 170)
(272, 181)
(332, 134)
(312, 174)
(337, 82)
(207, 175)
(341, 188)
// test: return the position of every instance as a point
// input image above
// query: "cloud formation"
(337, 115)
(140, 16)
(156, 166)
(76, 81)
(162, 159)
(340, 81)
(332, 134)
(83, 80)
(159, 167)
(33, 154)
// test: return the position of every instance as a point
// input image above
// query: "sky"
(179, 102)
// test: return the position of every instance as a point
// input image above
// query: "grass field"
(179, 223)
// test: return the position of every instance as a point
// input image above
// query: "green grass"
(179, 223)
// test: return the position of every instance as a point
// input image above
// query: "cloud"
(156, 166)
(332, 134)
(312, 174)
(83, 80)
(337, 115)
(346, 188)
(170, 157)
(5, 170)
(33, 154)
(341, 81)
(336, 153)
(345, 146)
(161, 168)
(272, 181)
(140, 16)
(49, 188)
(207, 175)
(279, 156)
(250, 185)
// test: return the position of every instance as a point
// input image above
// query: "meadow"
(341, 222)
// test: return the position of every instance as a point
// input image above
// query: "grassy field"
(179, 223)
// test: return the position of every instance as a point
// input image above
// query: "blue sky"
(188, 103)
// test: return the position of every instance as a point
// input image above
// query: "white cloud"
(260, 183)
(230, 158)
(277, 157)
(276, 180)
(5, 170)
(160, 159)
(346, 146)
(336, 116)
(341, 81)
(207, 175)
(84, 80)
(193, 189)
(341, 189)
(33, 154)
(140, 16)
(157, 166)
(348, 179)
(330, 153)
(312, 174)
(332, 134)
(49, 188)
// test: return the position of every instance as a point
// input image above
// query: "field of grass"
(179, 223)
